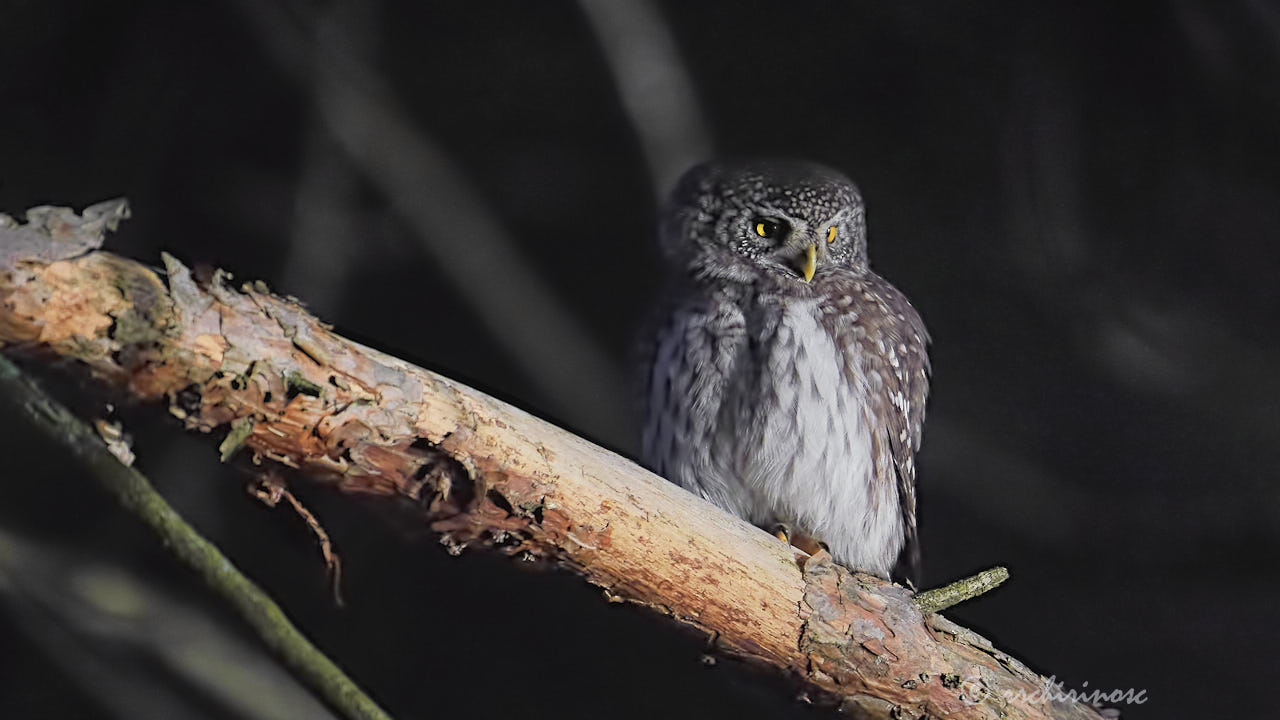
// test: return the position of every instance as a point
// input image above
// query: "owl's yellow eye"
(831, 234)
(769, 229)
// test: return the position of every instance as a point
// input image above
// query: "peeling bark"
(285, 388)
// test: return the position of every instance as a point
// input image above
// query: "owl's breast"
(805, 446)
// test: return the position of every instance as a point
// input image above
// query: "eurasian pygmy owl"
(786, 381)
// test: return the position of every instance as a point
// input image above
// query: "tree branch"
(939, 599)
(485, 474)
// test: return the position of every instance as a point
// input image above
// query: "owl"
(784, 380)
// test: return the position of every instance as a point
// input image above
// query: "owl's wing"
(906, 373)
(691, 353)
(892, 350)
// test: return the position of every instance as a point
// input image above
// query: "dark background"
(1082, 199)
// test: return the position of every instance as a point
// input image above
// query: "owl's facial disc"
(734, 220)
(796, 250)
(801, 256)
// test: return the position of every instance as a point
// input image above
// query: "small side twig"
(270, 489)
(939, 599)
(136, 494)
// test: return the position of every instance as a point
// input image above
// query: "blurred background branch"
(653, 87)
(134, 648)
(136, 495)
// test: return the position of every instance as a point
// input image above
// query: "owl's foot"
(808, 544)
(782, 532)
(804, 543)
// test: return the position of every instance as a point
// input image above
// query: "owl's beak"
(809, 264)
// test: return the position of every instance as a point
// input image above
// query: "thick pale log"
(482, 473)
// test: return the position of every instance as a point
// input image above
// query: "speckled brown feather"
(870, 312)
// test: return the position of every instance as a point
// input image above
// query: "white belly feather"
(774, 433)
(807, 456)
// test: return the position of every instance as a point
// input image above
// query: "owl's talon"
(804, 545)
(810, 545)
(782, 532)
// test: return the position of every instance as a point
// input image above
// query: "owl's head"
(734, 220)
